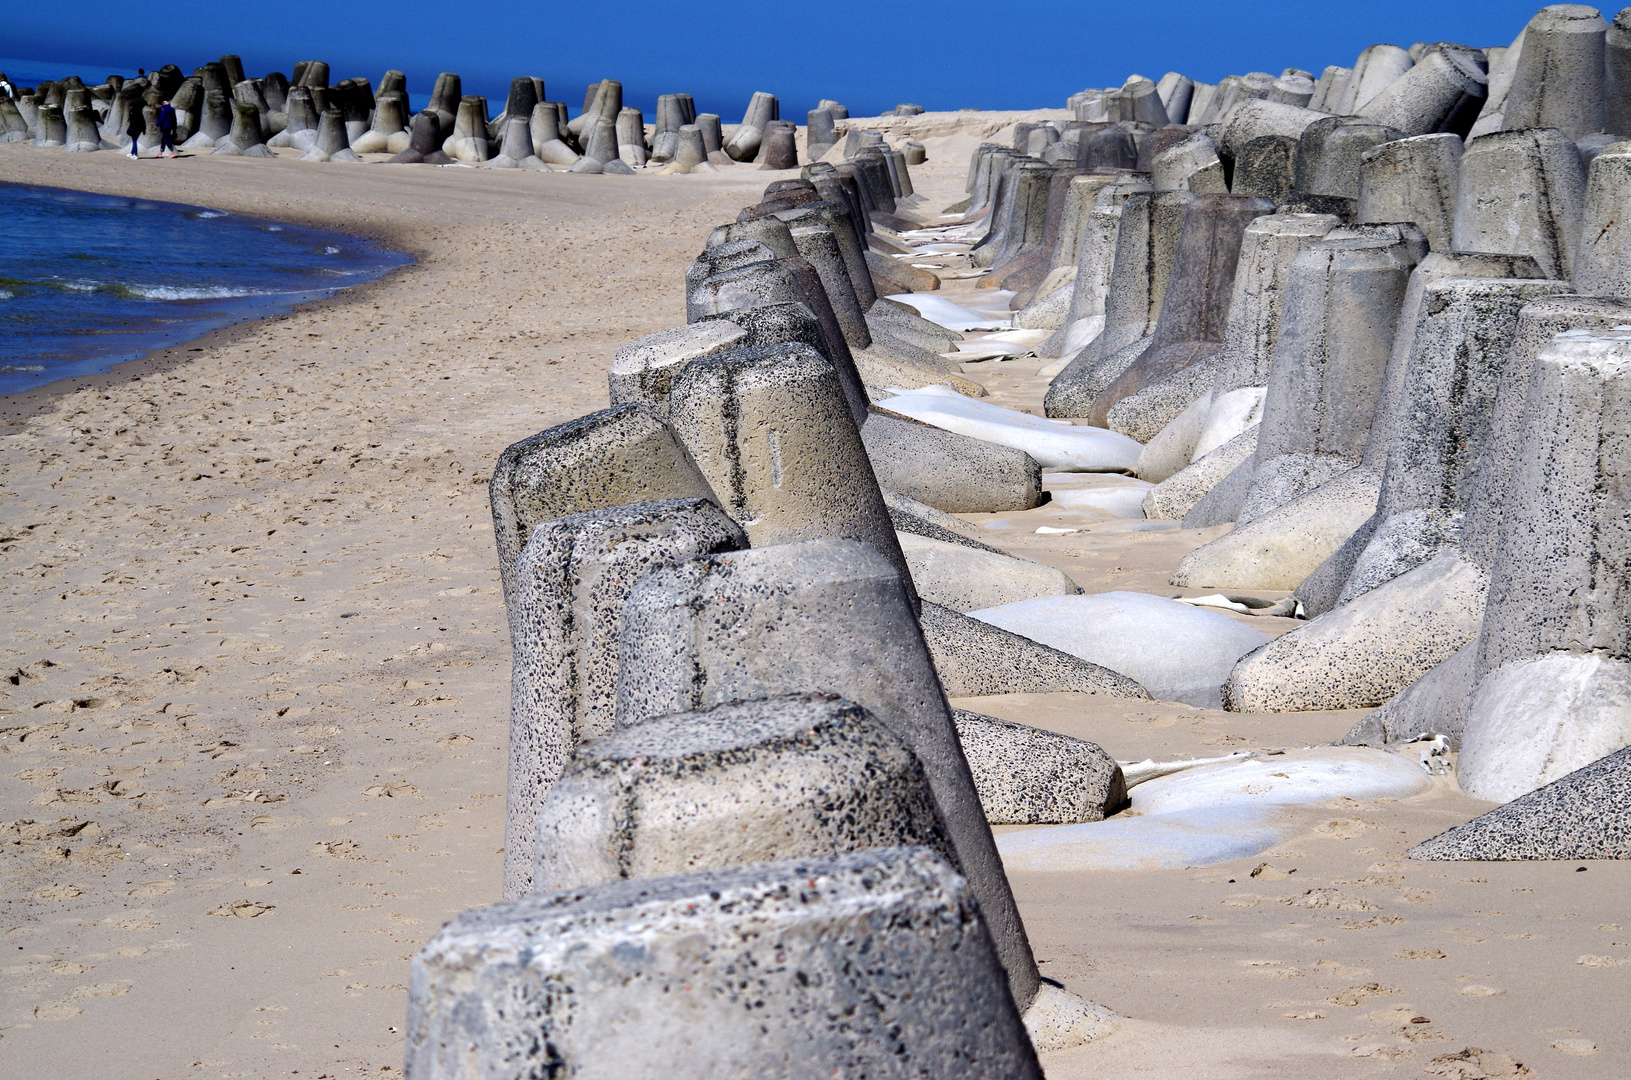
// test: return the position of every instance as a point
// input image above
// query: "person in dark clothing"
(136, 127)
(167, 129)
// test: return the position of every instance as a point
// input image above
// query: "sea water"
(89, 281)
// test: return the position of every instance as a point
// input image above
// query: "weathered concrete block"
(1368, 650)
(1578, 816)
(564, 595)
(1027, 776)
(1554, 680)
(1436, 703)
(1341, 310)
(1443, 92)
(769, 428)
(831, 616)
(1558, 80)
(643, 370)
(641, 978)
(615, 457)
(1522, 193)
(1330, 152)
(1266, 166)
(950, 472)
(1173, 498)
(974, 658)
(966, 579)
(1281, 547)
(1437, 432)
(1195, 304)
(1493, 485)
(1377, 68)
(1414, 179)
(800, 776)
(1602, 267)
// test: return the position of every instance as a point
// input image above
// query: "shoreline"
(18, 406)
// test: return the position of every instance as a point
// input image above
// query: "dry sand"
(254, 689)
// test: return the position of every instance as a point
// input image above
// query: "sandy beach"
(254, 706)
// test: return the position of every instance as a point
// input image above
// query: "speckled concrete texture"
(830, 616)
(1567, 521)
(1413, 179)
(1579, 816)
(1282, 547)
(800, 776)
(567, 592)
(1522, 192)
(625, 454)
(1558, 82)
(1027, 776)
(644, 369)
(975, 658)
(965, 578)
(948, 471)
(1449, 391)
(770, 429)
(1368, 650)
(1173, 498)
(647, 978)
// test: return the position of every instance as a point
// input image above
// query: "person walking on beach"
(136, 127)
(167, 129)
(5, 86)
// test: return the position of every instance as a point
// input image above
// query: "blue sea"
(89, 281)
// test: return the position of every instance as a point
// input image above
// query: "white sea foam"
(22, 367)
(6, 294)
(212, 213)
(191, 292)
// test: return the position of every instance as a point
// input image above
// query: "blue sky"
(945, 55)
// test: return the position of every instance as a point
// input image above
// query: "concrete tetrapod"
(1522, 193)
(951, 472)
(1329, 153)
(246, 139)
(82, 135)
(605, 983)
(1322, 590)
(1439, 700)
(1602, 266)
(1437, 436)
(547, 144)
(618, 456)
(769, 428)
(965, 578)
(1377, 68)
(1095, 260)
(974, 658)
(1617, 75)
(1578, 816)
(330, 144)
(1413, 179)
(800, 776)
(794, 323)
(1146, 245)
(1553, 688)
(1175, 368)
(1443, 92)
(842, 622)
(1027, 776)
(1341, 310)
(643, 370)
(424, 143)
(564, 595)
(1558, 82)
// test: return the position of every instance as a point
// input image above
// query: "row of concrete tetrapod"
(219, 110)
(1380, 332)
(742, 820)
